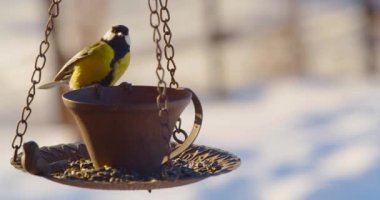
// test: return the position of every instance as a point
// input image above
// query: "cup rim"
(75, 99)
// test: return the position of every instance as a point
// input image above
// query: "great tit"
(101, 63)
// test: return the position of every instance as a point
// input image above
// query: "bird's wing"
(67, 70)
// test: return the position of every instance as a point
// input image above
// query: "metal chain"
(162, 101)
(179, 131)
(160, 71)
(39, 64)
(170, 64)
(169, 48)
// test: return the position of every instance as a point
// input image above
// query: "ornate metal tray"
(73, 167)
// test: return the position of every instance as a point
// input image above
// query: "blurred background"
(290, 86)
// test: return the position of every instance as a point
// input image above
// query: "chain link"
(162, 101)
(170, 64)
(160, 71)
(169, 48)
(39, 64)
(179, 131)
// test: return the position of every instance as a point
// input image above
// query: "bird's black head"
(118, 38)
(120, 29)
(118, 33)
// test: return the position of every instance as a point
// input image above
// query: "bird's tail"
(52, 84)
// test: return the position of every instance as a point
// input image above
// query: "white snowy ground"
(298, 139)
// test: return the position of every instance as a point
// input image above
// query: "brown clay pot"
(121, 127)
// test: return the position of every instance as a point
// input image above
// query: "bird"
(101, 63)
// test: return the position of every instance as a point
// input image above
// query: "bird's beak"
(128, 40)
(109, 36)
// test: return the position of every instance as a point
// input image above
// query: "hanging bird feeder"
(127, 130)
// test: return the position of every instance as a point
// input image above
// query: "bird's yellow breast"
(96, 66)
(120, 67)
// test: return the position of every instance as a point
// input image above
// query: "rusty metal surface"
(121, 127)
(193, 165)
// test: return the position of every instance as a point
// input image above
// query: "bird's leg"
(98, 90)
(127, 86)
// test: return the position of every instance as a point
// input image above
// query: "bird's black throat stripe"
(120, 47)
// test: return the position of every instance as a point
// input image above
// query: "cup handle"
(194, 132)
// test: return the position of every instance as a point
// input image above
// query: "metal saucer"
(193, 165)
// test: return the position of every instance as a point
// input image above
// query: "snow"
(296, 141)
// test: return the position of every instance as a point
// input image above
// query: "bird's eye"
(120, 34)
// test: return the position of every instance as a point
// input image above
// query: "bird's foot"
(98, 90)
(127, 86)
